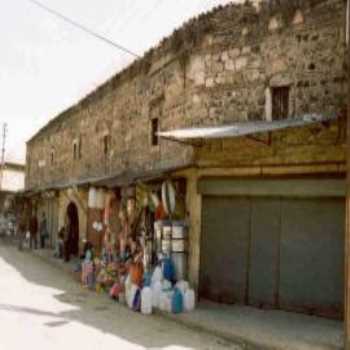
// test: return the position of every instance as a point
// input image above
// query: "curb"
(235, 340)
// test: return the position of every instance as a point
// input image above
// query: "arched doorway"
(73, 229)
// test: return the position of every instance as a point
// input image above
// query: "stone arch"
(72, 219)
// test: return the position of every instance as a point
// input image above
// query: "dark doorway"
(73, 229)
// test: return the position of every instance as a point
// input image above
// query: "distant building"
(12, 183)
(13, 177)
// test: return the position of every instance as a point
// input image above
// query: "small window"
(75, 151)
(80, 150)
(106, 144)
(280, 103)
(154, 131)
(52, 157)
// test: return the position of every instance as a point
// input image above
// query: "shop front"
(274, 243)
(137, 242)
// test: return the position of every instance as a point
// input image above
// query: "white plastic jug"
(165, 301)
(156, 290)
(146, 301)
(190, 300)
(157, 275)
(166, 285)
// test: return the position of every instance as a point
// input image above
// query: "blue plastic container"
(177, 302)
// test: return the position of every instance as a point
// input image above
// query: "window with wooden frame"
(80, 150)
(75, 150)
(280, 102)
(154, 131)
(52, 156)
(106, 144)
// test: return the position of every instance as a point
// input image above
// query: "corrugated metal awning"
(130, 177)
(244, 128)
(121, 179)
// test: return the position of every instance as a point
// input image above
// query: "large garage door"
(264, 253)
(312, 258)
(274, 252)
(226, 247)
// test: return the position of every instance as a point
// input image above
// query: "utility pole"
(3, 153)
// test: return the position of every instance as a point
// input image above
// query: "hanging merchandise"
(107, 207)
(146, 301)
(158, 228)
(168, 197)
(136, 273)
(160, 213)
(92, 200)
(177, 302)
(154, 203)
(100, 199)
(131, 208)
(190, 300)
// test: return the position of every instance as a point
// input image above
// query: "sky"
(46, 65)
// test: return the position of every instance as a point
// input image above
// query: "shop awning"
(121, 179)
(244, 128)
(130, 177)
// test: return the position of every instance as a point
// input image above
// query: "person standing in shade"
(43, 231)
(22, 227)
(33, 229)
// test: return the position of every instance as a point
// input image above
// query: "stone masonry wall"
(215, 70)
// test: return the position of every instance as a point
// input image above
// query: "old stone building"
(250, 102)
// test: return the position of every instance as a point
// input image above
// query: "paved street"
(42, 307)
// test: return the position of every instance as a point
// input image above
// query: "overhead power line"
(83, 28)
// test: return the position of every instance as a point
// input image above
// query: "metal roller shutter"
(312, 255)
(224, 254)
(274, 252)
(264, 252)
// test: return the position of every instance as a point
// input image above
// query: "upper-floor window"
(75, 150)
(80, 148)
(154, 132)
(52, 157)
(280, 102)
(106, 144)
